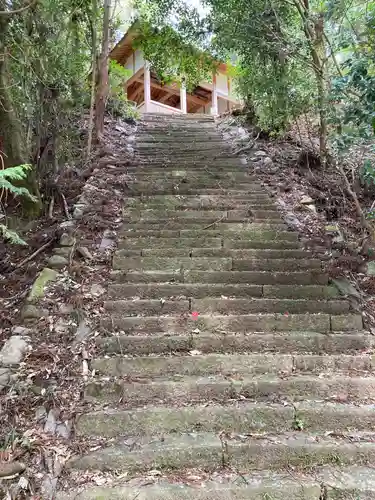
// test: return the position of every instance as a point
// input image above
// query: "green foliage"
(8, 179)
(8, 176)
(176, 47)
(11, 236)
(118, 104)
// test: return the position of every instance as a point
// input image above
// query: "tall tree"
(103, 80)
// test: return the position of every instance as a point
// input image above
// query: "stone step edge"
(191, 290)
(295, 387)
(212, 451)
(290, 343)
(242, 417)
(328, 483)
(323, 323)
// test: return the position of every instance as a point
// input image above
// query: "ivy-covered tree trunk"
(11, 135)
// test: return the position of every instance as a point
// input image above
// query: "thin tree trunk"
(93, 80)
(103, 85)
(314, 31)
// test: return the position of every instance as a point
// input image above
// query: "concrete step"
(176, 203)
(201, 291)
(180, 147)
(164, 217)
(283, 343)
(261, 236)
(230, 365)
(208, 451)
(332, 481)
(202, 241)
(157, 307)
(185, 176)
(198, 117)
(232, 194)
(221, 277)
(181, 174)
(314, 277)
(335, 387)
(165, 263)
(163, 213)
(216, 252)
(156, 263)
(238, 417)
(186, 324)
(174, 137)
(202, 224)
(188, 162)
(190, 186)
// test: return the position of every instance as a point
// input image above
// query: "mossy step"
(157, 307)
(275, 264)
(231, 195)
(201, 291)
(257, 277)
(187, 155)
(230, 365)
(172, 138)
(165, 263)
(243, 418)
(279, 490)
(335, 482)
(175, 147)
(241, 254)
(189, 187)
(200, 224)
(177, 203)
(221, 277)
(262, 237)
(150, 214)
(199, 178)
(178, 290)
(206, 450)
(335, 387)
(154, 242)
(157, 263)
(236, 323)
(248, 306)
(172, 161)
(216, 241)
(283, 343)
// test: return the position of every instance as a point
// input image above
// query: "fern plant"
(8, 177)
(11, 174)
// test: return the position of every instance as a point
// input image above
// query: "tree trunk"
(314, 31)
(11, 136)
(93, 79)
(103, 85)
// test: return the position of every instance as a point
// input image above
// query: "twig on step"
(51, 205)
(65, 206)
(33, 255)
(215, 222)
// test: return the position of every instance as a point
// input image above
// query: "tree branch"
(7, 13)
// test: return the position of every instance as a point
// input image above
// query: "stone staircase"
(230, 368)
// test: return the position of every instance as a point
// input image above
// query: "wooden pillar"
(147, 87)
(183, 98)
(214, 105)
